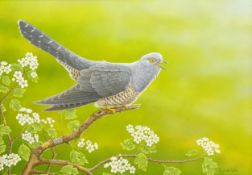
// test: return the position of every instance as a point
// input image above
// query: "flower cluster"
(18, 77)
(4, 68)
(143, 133)
(9, 160)
(30, 138)
(48, 121)
(120, 165)
(209, 146)
(90, 147)
(30, 61)
(27, 117)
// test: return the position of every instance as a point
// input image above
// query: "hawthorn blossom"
(5, 68)
(120, 165)
(9, 160)
(30, 138)
(90, 146)
(18, 77)
(209, 146)
(29, 61)
(50, 121)
(142, 133)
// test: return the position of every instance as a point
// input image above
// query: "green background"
(205, 91)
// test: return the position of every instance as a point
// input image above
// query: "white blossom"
(143, 133)
(9, 160)
(89, 145)
(48, 121)
(18, 77)
(120, 165)
(209, 146)
(29, 61)
(5, 68)
(34, 74)
(30, 138)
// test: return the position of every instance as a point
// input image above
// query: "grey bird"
(109, 85)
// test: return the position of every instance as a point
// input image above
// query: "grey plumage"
(108, 84)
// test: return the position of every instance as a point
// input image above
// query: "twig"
(35, 160)
(42, 172)
(65, 162)
(98, 165)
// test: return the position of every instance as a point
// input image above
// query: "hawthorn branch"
(36, 153)
(65, 162)
(98, 165)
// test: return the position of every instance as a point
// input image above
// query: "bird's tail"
(47, 44)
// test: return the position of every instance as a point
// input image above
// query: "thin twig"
(65, 162)
(98, 165)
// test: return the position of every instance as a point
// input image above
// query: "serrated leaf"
(78, 157)
(192, 152)
(6, 80)
(24, 151)
(34, 128)
(4, 130)
(2, 149)
(15, 104)
(147, 149)
(18, 92)
(128, 144)
(52, 132)
(3, 89)
(69, 170)
(171, 171)
(209, 166)
(16, 67)
(73, 125)
(141, 161)
(69, 114)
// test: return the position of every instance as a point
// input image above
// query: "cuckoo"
(108, 85)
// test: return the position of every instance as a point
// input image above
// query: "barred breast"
(123, 98)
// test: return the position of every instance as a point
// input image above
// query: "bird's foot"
(113, 110)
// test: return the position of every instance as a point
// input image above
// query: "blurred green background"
(206, 90)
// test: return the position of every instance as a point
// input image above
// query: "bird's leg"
(113, 110)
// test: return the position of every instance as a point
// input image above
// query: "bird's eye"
(152, 60)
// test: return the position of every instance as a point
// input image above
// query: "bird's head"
(154, 59)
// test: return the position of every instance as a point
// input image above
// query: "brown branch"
(98, 165)
(35, 160)
(65, 162)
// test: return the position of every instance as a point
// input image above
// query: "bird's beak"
(162, 64)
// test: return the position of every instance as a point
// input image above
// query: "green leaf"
(4, 130)
(16, 67)
(107, 174)
(73, 125)
(15, 104)
(24, 151)
(209, 166)
(69, 170)
(171, 171)
(3, 89)
(52, 132)
(6, 80)
(2, 149)
(147, 149)
(78, 157)
(69, 114)
(192, 152)
(18, 92)
(141, 161)
(128, 144)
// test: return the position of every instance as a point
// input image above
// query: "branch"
(65, 162)
(35, 160)
(98, 165)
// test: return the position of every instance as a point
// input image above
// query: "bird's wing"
(106, 79)
(72, 62)
(99, 81)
